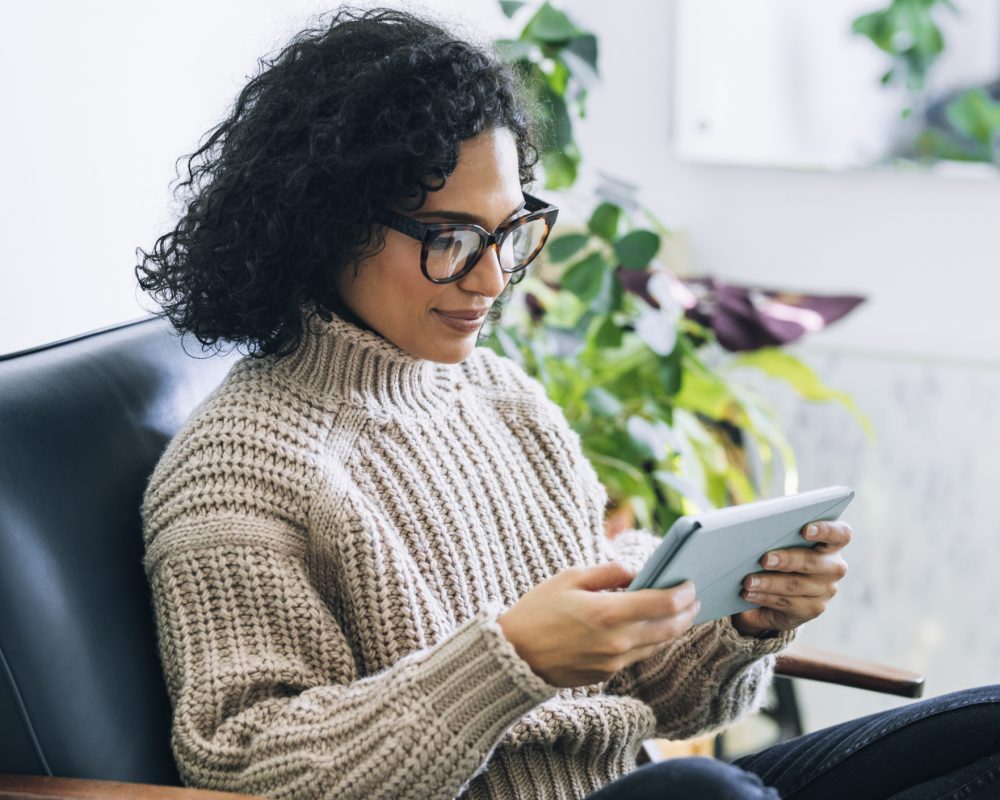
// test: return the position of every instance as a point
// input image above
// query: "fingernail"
(771, 560)
(754, 583)
(812, 532)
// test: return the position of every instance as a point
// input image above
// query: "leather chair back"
(82, 424)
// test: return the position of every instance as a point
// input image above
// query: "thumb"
(612, 575)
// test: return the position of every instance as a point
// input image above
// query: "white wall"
(922, 357)
(96, 111)
(98, 114)
(925, 249)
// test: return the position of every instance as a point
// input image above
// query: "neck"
(346, 313)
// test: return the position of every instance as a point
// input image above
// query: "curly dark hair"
(364, 110)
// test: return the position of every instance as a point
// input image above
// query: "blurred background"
(768, 139)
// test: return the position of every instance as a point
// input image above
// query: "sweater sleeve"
(704, 680)
(268, 690)
(265, 691)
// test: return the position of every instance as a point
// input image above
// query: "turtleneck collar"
(339, 360)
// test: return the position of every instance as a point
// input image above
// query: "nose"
(486, 277)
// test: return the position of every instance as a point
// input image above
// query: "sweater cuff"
(751, 646)
(477, 685)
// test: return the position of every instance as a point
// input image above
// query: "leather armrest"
(820, 665)
(40, 787)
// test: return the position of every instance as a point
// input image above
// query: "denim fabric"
(686, 779)
(944, 748)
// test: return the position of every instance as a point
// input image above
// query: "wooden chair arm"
(40, 787)
(820, 665)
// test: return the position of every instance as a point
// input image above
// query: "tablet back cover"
(728, 544)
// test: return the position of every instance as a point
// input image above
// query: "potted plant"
(643, 362)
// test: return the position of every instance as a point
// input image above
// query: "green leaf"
(652, 438)
(762, 424)
(560, 169)
(604, 221)
(558, 78)
(608, 335)
(550, 25)
(585, 46)
(585, 277)
(684, 488)
(607, 295)
(975, 114)
(602, 402)
(559, 127)
(617, 296)
(784, 366)
(584, 76)
(636, 249)
(704, 394)
(511, 50)
(870, 25)
(511, 7)
(562, 309)
(566, 246)
(628, 481)
(671, 375)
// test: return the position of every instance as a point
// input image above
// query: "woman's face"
(390, 292)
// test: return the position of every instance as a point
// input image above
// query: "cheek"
(398, 288)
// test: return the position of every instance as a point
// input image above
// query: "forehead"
(486, 180)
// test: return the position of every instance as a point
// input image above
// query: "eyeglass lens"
(451, 252)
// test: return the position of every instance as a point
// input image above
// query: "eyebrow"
(462, 216)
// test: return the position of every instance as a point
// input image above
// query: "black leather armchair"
(82, 696)
(82, 423)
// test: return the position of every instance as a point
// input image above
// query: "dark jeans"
(944, 748)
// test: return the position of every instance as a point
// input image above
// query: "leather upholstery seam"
(24, 711)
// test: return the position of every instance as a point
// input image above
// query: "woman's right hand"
(572, 632)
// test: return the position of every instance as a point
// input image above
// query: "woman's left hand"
(798, 583)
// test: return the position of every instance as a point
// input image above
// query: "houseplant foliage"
(961, 126)
(629, 351)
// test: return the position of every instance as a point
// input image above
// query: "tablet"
(719, 548)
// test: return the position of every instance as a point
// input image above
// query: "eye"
(441, 243)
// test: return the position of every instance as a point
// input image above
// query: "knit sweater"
(330, 539)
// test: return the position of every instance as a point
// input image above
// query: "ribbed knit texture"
(329, 541)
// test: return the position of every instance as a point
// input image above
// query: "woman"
(376, 551)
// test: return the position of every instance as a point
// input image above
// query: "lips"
(466, 315)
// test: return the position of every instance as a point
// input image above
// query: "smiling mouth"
(468, 316)
(460, 323)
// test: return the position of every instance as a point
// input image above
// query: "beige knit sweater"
(329, 541)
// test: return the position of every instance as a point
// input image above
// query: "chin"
(443, 352)
(454, 354)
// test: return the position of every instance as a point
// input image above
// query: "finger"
(791, 584)
(805, 560)
(831, 535)
(611, 575)
(798, 607)
(655, 632)
(648, 604)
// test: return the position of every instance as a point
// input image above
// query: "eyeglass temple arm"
(418, 230)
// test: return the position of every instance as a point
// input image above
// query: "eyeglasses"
(449, 251)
